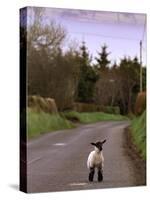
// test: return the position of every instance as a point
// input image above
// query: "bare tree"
(51, 71)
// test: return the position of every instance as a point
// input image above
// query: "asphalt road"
(57, 161)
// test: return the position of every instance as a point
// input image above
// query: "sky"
(121, 32)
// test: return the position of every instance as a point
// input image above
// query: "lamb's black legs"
(91, 174)
(100, 175)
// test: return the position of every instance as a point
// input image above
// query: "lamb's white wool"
(95, 159)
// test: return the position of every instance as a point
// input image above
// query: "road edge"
(138, 162)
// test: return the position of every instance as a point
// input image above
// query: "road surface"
(57, 160)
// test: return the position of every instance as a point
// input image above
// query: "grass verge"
(92, 117)
(40, 122)
(138, 131)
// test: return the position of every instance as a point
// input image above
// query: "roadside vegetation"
(138, 132)
(41, 122)
(91, 117)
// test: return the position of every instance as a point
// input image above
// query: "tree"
(102, 59)
(129, 78)
(51, 71)
(119, 85)
(64, 80)
(88, 77)
(104, 83)
(43, 43)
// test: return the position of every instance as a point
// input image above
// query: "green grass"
(92, 117)
(138, 131)
(40, 122)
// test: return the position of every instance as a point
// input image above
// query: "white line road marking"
(59, 144)
(77, 184)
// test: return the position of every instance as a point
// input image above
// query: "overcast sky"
(121, 32)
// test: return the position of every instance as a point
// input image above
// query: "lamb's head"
(99, 145)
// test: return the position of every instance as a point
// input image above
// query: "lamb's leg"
(100, 174)
(91, 174)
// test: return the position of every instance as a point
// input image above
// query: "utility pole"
(141, 88)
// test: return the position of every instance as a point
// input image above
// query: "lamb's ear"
(92, 143)
(103, 141)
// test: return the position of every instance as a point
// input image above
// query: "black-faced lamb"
(96, 160)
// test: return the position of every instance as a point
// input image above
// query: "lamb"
(96, 160)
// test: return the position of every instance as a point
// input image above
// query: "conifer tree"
(102, 59)
(88, 76)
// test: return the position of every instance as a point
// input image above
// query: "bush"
(38, 103)
(140, 104)
(86, 107)
(112, 109)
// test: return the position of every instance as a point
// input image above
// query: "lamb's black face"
(99, 145)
